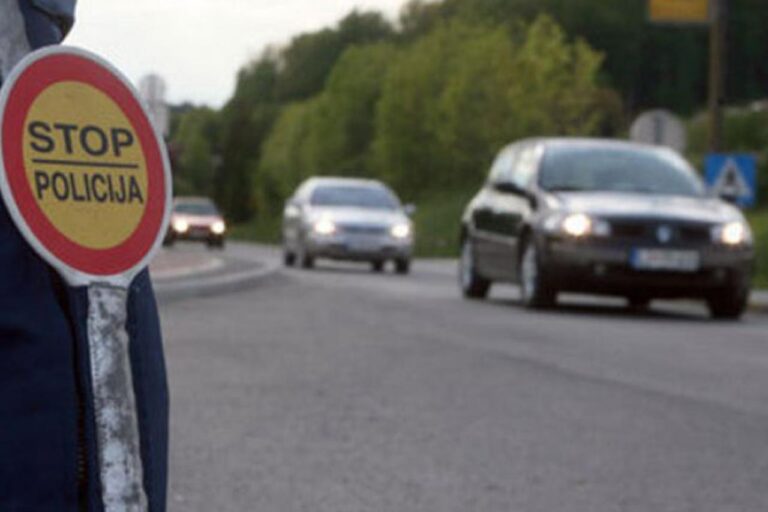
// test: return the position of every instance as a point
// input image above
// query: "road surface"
(339, 390)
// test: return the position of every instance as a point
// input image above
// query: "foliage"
(342, 126)
(651, 65)
(246, 122)
(457, 95)
(437, 222)
(284, 162)
(195, 140)
(759, 222)
(310, 58)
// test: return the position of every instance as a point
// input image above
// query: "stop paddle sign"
(83, 172)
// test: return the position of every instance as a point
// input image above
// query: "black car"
(604, 217)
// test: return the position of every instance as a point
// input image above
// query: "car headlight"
(218, 227)
(400, 231)
(732, 234)
(324, 227)
(180, 226)
(578, 225)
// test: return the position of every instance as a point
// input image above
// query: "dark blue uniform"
(47, 439)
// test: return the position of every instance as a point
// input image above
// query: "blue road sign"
(733, 175)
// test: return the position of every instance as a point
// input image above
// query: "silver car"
(347, 219)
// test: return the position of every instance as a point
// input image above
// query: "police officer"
(48, 453)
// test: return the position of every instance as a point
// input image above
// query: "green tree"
(453, 98)
(284, 161)
(246, 122)
(310, 57)
(196, 140)
(341, 128)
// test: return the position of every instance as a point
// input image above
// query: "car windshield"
(583, 169)
(199, 208)
(354, 196)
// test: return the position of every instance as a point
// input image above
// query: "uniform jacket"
(47, 439)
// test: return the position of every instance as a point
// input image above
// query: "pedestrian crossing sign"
(733, 176)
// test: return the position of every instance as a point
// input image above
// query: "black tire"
(216, 244)
(471, 283)
(306, 260)
(289, 258)
(377, 266)
(536, 292)
(403, 266)
(729, 304)
(638, 303)
(169, 241)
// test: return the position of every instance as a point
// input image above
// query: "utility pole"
(717, 70)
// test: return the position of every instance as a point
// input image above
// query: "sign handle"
(117, 426)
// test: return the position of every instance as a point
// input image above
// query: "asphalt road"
(338, 390)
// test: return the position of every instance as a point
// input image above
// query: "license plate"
(363, 245)
(665, 260)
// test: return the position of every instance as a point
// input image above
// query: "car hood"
(613, 204)
(353, 216)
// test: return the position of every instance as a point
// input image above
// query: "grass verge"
(264, 230)
(437, 220)
(759, 222)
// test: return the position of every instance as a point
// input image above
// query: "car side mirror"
(507, 187)
(409, 209)
(292, 208)
(729, 197)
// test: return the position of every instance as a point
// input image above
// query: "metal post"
(117, 426)
(717, 67)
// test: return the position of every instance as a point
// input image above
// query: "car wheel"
(472, 285)
(403, 266)
(377, 266)
(305, 259)
(729, 304)
(289, 258)
(535, 290)
(638, 303)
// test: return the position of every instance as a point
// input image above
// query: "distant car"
(604, 217)
(347, 219)
(196, 219)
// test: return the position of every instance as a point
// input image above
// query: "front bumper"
(604, 267)
(196, 233)
(359, 247)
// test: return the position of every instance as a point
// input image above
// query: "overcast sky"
(197, 46)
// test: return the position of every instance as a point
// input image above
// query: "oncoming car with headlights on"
(604, 217)
(196, 219)
(347, 219)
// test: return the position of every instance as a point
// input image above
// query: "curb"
(176, 273)
(759, 301)
(206, 286)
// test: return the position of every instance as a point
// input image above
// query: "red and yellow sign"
(679, 11)
(84, 174)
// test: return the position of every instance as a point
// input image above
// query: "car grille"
(363, 229)
(648, 231)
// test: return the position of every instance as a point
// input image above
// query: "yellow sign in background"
(679, 11)
(85, 165)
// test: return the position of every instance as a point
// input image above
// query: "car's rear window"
(618, 170)
(354, 197)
